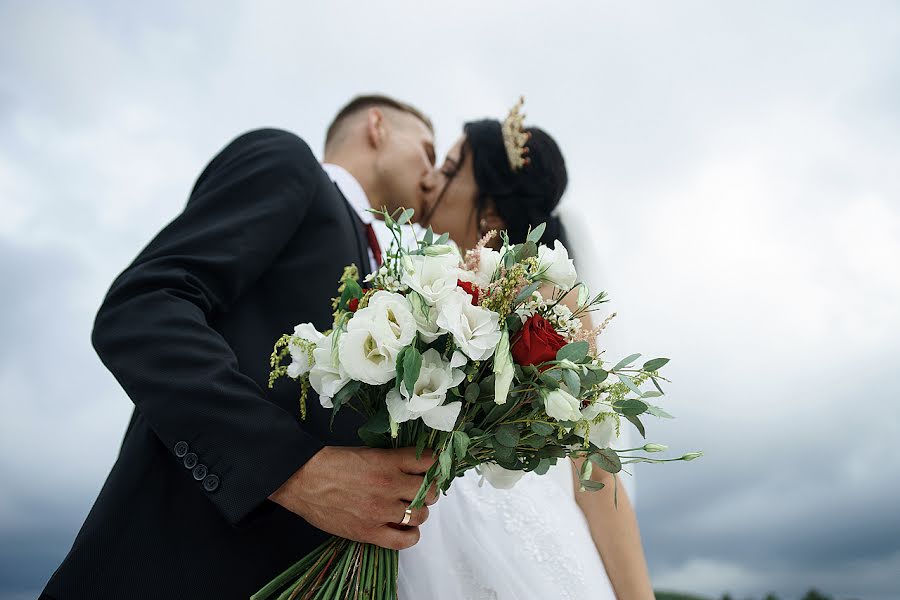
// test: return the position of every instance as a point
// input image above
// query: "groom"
(219, 485)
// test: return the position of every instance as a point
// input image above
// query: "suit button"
(181, 449)
(190, 460)
(211, 483)
(199, 472)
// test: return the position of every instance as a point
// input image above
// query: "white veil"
(580, 241)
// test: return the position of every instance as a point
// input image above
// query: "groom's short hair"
(361, 103)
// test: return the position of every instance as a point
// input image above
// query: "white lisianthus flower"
(599, 425)
(426, 399)
(375, 336)
(556, 267)
(488, 262)
(562, 406)
(391, 320)
(434, 277)
(301, 353)
(498, 477)
(327, 375)
(475, 330)
(426, 318)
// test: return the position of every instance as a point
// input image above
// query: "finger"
(408, 463)
(396, 539)
(408, 486)
(417, 516)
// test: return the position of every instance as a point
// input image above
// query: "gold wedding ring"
(407, 515)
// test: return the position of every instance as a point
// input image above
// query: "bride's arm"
(614, 530)
(616, 535)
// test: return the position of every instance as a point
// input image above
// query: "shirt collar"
(352, 190)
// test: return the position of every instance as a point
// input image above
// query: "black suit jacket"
(187, 330)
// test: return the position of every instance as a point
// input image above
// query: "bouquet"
(477, 360)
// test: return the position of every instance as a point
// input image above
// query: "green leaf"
(460, 444)
(345, 394)
(412, 365)
(626, 361)
(535, 234)
(526, 250)
(637, 423)
(507, 435)
(651, 394)
(428, 239)
(590, 484)
(548, 381)
(526, 292)
(405, 216)
(379, 422)
(543, 466)
(593, 377)
(655, 364)
(445, 459)
(658, 412)
(576, 351)
(505, 456)
(442, 240)
(607, 460)
(629, 383)
(374, 440)
(421, 440)
(630, 406)
(472, 392)
(541, 428)
(570, 378)
(656, 384)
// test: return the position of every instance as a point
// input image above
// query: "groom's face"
(405, 162)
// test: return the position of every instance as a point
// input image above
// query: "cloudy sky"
(737, 166)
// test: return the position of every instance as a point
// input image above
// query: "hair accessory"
(515, 137)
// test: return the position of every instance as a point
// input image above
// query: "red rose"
(353, 304)
(470, 289)
(537, 342)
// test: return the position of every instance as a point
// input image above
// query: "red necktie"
(373, 244)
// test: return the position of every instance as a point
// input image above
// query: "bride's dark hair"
(523, 198)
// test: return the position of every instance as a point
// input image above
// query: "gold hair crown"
(515, 137)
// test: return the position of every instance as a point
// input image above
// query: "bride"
(542, 538)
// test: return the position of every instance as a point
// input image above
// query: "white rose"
(301, 354)
(487, 265)
(563, 406)
(475, 330)
(434, 277)
(556, 267)
(426, 399)
(498, 477)
(327, 376)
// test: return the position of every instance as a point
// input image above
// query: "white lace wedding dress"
(528, 542)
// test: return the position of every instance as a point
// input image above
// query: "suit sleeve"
(153, 330)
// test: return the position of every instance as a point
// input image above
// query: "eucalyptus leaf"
(442, 240)
(576, 351)
(543, 466)
(607, 460)
(526, 250)
(655, 364)
(428, 239)
(630, 406)
(626, 361)
(508, 435)
(637, 423)
(472, 391)
(570, 378)
(541, 428)
(535, 234)
(405, 216)
(629, 383)
(526, 292)
(658, 412)
(592, 485)
(651, 394)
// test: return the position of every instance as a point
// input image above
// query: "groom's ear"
(375, 127)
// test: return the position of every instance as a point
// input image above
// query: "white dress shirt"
(356, 196)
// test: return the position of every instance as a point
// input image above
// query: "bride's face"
(450, 207)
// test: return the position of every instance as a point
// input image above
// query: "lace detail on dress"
(537, 536)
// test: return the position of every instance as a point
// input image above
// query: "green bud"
(692, 455)
(655, 448)
(437, 250)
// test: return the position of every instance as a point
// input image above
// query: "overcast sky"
(736, 164)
